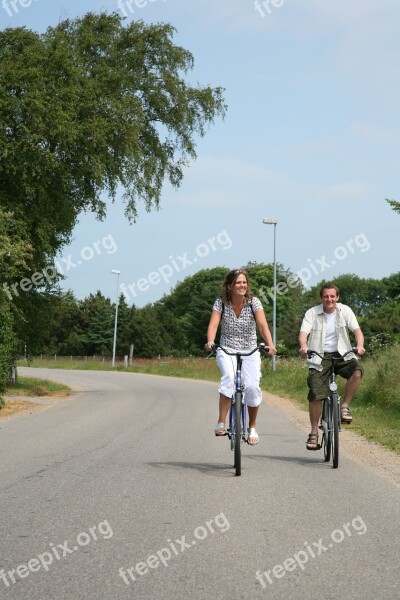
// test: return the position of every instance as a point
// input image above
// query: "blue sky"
(311, 138)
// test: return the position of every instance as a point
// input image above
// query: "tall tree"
(191, 301)
(89, 106)
(124, 327)
(15, 254)
(7, 344)
(98, 335)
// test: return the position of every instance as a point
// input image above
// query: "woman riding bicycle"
(240, 313)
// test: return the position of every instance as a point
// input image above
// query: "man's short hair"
(329, 286)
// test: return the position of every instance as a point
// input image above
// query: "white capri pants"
(251, 374)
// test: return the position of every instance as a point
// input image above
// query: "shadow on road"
(311, 461)
(226, 470)
(207, 468)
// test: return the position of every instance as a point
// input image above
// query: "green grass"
(31, 386)
(91, 364)
(376, 408)
(377, 405)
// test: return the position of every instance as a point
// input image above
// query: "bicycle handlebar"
(310, 354)
(260, 346)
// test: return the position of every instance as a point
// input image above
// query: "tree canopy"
(87, 107)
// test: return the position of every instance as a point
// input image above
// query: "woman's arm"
(262, 325)
(212, 329)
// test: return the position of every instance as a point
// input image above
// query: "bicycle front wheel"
(238, 433)
(326, 429)
(335, 430)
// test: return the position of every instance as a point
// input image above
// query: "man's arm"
(305, 330)
(303, 343)
(358, 334)
(353, 325)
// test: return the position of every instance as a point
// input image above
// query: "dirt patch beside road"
(22, 405)
(16, 406)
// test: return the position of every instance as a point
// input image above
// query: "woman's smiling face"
(239, 287)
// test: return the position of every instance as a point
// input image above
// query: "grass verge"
(31, 386)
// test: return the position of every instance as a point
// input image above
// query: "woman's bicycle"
(237, 431)
(331, 413)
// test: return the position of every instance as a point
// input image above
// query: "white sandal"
(219, 429)
(254, 435)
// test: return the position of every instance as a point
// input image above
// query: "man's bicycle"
(331, 413)
(237, 431)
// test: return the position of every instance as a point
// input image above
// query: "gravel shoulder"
(23, 405)
(373, 456)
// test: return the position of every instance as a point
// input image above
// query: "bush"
(381, 385)
(7, 343)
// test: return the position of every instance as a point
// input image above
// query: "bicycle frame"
(238, 397)
(237, 431)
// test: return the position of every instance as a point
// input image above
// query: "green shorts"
(318, 381)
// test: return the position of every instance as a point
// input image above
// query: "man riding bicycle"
(325, 328)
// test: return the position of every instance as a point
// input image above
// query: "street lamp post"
(116, 272)
(274, 223)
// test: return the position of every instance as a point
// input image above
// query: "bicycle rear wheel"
(327, 429)
(335, 430)
(238, 432)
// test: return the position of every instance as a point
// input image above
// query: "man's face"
(329, 298)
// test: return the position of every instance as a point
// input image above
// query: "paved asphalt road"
(123, 492)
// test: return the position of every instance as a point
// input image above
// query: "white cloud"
(362, 40)
(229, 15)
(345, 15)
(374, 135)
(218, 181)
